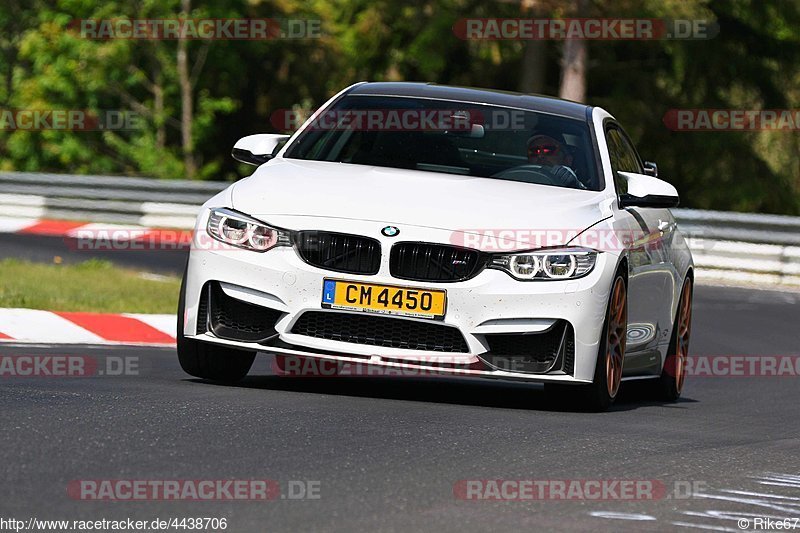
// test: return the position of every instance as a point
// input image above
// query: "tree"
(573, 61)
(196, 98)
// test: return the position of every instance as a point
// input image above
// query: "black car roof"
(532, 102)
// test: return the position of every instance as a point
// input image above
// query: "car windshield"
(452, 137)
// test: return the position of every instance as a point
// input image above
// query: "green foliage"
(237, 85)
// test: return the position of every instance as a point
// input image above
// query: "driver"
(546, 151)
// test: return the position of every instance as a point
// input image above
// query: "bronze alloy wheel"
(673, 376)
(684, 331)
(616, 335)
(599, 395)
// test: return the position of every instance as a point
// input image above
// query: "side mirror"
(650, 169)
(257, 149)
(647, 191)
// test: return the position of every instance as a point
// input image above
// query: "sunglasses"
(543, 150)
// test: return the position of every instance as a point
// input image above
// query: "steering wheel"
(536, 174)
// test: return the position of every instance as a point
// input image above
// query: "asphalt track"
(49, 249)
(387, 452)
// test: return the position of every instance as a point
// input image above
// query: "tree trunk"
(534, 61)
(573, 63)
(158, 110)
(534, 57)
(186, 100)
(573, 71)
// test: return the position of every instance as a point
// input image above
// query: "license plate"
(386, 299)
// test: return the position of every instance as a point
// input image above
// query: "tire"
(673, 375)
(604, 388)
(206, 360)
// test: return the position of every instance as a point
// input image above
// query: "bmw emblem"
(390, 231)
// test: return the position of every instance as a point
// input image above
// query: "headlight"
(561, 263)
(246, 232)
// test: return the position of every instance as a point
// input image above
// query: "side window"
(623, 157)
(614, 148)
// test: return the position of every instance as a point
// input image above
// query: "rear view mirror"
(257, 149)
(647, 191)
(475, 131)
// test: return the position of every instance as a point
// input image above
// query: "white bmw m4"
(463, 231)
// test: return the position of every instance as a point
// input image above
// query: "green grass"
(96, 286)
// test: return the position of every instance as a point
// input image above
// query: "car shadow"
(460, 391)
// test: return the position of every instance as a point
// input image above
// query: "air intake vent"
(569, 351)
(202, 311)
(237, 320)
(383, 331)
(535, 353)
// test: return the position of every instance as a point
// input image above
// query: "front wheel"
(212, 362)
(673, 374)
(209, 361)
(608, 371)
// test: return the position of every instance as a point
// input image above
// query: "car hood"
(283, 191)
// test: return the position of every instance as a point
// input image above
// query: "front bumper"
(489, 304)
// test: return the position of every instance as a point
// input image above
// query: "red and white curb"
(35, 326)
(91, 230)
